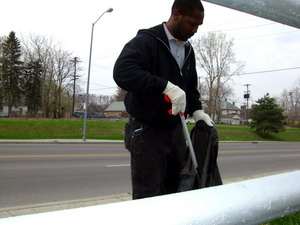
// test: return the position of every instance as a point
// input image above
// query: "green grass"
(59, 129)
(114, 130)
(293, 219)
(244, 133)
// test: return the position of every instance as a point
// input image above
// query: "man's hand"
(177, 97)
(200, 115)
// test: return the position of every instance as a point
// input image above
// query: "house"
(230, 113)
(15, 111)
(116, 110)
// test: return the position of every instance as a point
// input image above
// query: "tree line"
(41, 75)
(37, 74)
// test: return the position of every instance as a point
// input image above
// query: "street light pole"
(89, 71)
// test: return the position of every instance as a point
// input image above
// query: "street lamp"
(89, 71)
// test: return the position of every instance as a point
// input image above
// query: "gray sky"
(262, 44)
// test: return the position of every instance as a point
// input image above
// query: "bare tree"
(40, 48)
(105, 99)
(120, 95)
(214, 54)
(57, 75)
(63, 76)
(290, 103)
(98, 103)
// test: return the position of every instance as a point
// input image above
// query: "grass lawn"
(244, 133)
(293, 219)
(59, 129)
(114, 130)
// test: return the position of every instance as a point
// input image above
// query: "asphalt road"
(42, 173)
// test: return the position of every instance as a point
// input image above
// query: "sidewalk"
(55, 206)
(58, 141)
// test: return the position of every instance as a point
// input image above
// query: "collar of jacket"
(158, 32)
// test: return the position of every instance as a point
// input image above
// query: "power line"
(267, 35)
(98, 89)
(230, 21)
(265, 71)
(268, 71)
(242, 28)
(248, 27)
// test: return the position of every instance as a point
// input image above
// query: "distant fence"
(247, 202)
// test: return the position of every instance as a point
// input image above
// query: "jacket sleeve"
(133, 68)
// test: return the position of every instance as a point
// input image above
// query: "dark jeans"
(157, 157)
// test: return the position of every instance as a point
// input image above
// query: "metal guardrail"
(247, 202)
(282, 11)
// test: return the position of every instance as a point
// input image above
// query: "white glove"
(200, 115)
(177, 96)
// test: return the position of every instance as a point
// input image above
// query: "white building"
(20, 110)
(230, 114)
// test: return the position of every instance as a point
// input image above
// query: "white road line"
(290, 156)
(120, 165)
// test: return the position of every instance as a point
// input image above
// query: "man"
(160, 62)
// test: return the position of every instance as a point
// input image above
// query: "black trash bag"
(206, 145)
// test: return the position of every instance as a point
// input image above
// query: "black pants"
(157, 157)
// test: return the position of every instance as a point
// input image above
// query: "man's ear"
(176, 15)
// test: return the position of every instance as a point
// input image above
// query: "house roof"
(116, 107)
(229, 106)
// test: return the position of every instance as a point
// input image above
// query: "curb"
(63, 205)
(59, 141)
(91, 141)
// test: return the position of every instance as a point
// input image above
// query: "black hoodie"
(144, 68)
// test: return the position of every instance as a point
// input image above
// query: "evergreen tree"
(12, 71)
(267, 116)
(33, 84)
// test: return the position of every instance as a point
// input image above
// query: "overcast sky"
(262, 44)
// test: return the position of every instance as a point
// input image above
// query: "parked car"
(80, 114)
(190, 121)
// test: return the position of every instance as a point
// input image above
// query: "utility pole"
(75, 61)
(247, 96)
(292, 109)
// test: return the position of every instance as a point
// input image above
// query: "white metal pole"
(88, 80)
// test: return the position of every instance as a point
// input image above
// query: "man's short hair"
(187, 6)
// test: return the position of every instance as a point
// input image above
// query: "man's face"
(186, 26)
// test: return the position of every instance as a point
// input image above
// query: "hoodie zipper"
(174, 57)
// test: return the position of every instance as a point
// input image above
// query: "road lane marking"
(256, 151)
(290, 155)
(120, 165)
(49, 156)
(115, 155)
